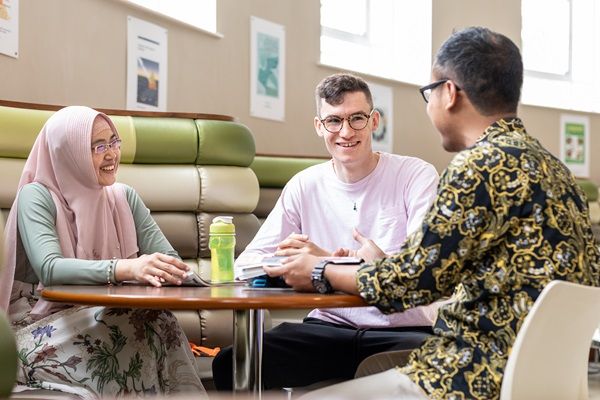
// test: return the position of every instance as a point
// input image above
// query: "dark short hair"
(486, 65)
(333, 88)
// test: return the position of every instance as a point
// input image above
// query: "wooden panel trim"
(132, 113)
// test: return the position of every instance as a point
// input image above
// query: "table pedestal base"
(247, 351)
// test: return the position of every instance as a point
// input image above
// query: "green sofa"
(187, 168)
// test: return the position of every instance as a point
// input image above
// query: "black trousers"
(297, 355)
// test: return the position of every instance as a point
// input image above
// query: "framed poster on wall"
(575, 144)
(267, 69)
(383, 101)
(146, 66)
(9, 28)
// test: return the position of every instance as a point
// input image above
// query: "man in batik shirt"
(508, 219)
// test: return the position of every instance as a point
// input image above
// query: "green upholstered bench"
(273, 172)
(187, 168)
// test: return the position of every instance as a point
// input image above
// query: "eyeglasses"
(426, 90)
(358, 121)
(103, 148)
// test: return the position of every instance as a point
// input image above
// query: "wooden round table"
(247, 303)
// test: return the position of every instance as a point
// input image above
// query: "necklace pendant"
(354, 208)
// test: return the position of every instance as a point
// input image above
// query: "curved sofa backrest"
(187, 168)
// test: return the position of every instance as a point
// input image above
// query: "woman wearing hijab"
(72, 224)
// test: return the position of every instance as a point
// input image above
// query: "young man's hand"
(296, 271)
(299, 244)
(368, 251)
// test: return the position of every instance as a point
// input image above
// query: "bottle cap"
(222, 225)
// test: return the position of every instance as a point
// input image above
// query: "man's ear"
(451, 95)
(319, 127)
(375, 117)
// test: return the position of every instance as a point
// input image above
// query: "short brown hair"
(333, 88)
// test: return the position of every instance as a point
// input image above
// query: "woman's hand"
(151, 268)
(299, 244)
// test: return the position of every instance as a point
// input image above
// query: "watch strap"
(320, 283)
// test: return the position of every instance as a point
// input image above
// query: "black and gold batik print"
(508, 219)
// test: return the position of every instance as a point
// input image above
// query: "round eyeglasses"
(103, 148)
(358, 121)
(426, 90)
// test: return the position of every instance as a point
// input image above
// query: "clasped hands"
(302, 256)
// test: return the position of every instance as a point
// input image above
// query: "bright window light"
(345, 15)
(386, 38)
(561, 42)
(199, 13)
(547, 39)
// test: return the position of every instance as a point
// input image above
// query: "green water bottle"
(222, 246)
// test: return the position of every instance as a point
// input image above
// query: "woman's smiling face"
(106, 152)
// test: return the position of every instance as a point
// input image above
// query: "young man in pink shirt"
(329, 209)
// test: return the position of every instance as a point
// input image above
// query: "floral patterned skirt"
(108, 352)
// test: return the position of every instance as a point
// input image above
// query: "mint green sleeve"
(36, 223)
(150, 238)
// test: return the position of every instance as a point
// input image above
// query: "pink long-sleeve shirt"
(384, 206)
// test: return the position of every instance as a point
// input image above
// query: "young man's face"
(349, 145)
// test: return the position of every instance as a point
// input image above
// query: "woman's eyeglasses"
(103, 148)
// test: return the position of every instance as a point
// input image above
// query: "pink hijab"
(92, 221)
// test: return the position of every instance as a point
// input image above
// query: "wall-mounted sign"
(383, 102)
(146, 66)
(9, 28)
(267, 69)
(575, 144)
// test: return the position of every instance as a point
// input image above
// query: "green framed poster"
(575, 144)
(267, 69)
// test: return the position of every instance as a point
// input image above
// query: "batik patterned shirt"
(508, 218)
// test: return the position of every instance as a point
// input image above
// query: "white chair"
(549, 359)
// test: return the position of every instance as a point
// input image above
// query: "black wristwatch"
(319, 282)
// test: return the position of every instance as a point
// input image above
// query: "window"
(547, 40)
(561, 53)
(386, 38)
(201, 14)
